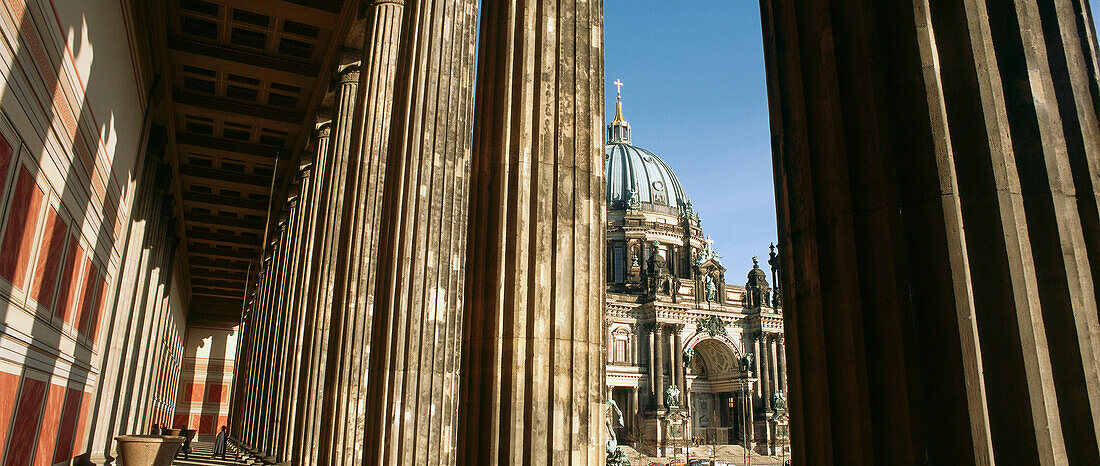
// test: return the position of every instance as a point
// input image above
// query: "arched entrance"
(716, 389)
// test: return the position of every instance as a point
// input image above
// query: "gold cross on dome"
(618, 88)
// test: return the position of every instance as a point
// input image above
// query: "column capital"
(348, 74)
(323, 130)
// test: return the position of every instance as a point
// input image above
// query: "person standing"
(220, 442)
(156, 429)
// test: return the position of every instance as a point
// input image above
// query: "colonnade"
(769, 367)
(143, 334)
(384, 270)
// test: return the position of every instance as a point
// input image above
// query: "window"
(618, 264)
(620, 348)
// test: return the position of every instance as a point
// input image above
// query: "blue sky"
(695, 95)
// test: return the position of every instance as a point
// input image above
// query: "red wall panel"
(9, 388)
(51, 417)
(97, 314)
(206, 424)
(87, 299)
(27, 416)
(5, 162)
(194, 392)
(50, 253)
(15, 252)
(67, 430)
(179, 420)
(215, 394)
(67, 295)
(81, 423)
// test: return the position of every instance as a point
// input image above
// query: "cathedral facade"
(691, 359)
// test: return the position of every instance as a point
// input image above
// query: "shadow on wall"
(57, 228)
(206, 378)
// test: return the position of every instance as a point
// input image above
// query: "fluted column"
(413, 375)
(302, 210)
(533, 387)
(309, 424)
(363, 183)
(330, 435)
(936, 168)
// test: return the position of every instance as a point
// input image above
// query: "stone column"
(414, 366)
(678, 362)
(782, 358)
(533, 348)
(773, 359)
(936, 168)
(659, 349)
(632, 415)
(330, 252)
(651, 356)
(303, 210)
(765, 376)
(757, 364)
(365, 181)
(305, 424)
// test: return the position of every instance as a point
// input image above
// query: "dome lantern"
(619, 130)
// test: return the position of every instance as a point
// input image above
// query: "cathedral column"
(773, 359)
(936, 168)
(659, 350)
(677, 360)
(412, 381)
(533, 348)
(765, 375)
(757, 364)
(651, 356)
(782, 357)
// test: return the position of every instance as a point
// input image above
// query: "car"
(698, 462)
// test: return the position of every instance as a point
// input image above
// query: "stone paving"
(200, 456)
(732, 454)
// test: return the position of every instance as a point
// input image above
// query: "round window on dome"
(658, 186)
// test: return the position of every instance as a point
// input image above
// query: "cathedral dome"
(637, 178)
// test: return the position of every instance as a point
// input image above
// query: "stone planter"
(147, 450)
